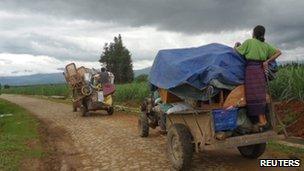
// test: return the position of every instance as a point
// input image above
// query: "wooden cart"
(193, 130)
(85, 96)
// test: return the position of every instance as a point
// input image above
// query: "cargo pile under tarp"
(188, 72)
(205, 78)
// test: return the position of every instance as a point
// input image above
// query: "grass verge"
(19, 137)
(288, 150)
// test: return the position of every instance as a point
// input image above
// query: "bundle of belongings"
(85, 82)
(190, 78)
(99, 84)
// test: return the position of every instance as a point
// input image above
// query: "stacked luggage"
(89, 94)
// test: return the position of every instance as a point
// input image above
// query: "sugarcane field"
(151, 85)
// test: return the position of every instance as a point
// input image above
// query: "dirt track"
(102, 142)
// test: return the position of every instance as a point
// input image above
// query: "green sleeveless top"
(254, 49)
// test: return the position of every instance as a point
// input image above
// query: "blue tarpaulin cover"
(197, 66)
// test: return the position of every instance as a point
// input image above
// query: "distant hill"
(52, 78)
(142, 71)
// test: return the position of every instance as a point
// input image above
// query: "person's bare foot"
(262, 120)
(256, 128)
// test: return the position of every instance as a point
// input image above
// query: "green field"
(134, 92)
(18, 133)
(46, 90)
(289, 85)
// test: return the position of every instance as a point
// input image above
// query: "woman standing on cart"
(258, 54)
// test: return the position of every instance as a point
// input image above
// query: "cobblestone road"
(111, 142)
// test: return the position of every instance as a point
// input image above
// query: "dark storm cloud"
(283, 19)
(191, 16)
(36, 44)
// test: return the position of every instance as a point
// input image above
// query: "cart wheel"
(252, 151)
(180, 146)
(84, 111)
(84, 107)
(142, 126)
(110, 111)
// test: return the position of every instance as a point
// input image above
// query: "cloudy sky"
(43, 36)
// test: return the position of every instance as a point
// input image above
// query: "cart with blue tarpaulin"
(197, 94)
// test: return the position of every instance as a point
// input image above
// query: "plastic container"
(225, 120)
(100, 96)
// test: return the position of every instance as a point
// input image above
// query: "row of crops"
(289, 83)
(126, 92)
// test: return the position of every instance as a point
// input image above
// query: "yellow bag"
(108, 100)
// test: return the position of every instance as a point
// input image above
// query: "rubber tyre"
(84, 111)
(252, 151)
(110, 111)
(84, 107)
(180, 146)
(74, 108)
(143, 125)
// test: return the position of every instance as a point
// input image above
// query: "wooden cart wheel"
(142, 126)
(180, 146)
(86, 90)
(252, 151)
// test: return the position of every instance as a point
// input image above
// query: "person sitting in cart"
(258, 54)
(104, 77)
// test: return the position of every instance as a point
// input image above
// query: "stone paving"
(111, 142)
